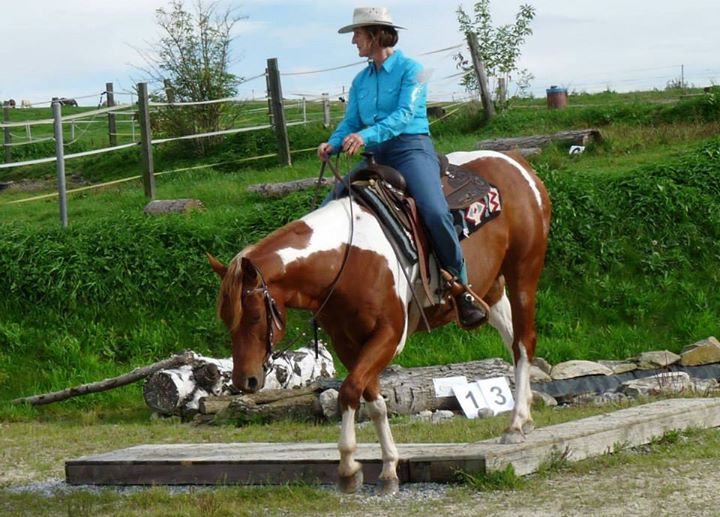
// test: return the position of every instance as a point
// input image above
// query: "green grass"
(38, 449)
(631, 264)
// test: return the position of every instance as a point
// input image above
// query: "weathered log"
(179, 391)
(411, 390)
(282, 189)
(406, 391)
(108, 384)
(166, 206)
(302, 408)
(576, 137)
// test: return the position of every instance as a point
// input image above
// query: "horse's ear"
(218, 266)
(249, 273)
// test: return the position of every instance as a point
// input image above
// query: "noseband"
(272, 313)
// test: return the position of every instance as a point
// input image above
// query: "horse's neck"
(306, 256)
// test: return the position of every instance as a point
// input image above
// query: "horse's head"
(252, 317)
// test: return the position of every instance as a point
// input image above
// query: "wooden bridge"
(277, 463)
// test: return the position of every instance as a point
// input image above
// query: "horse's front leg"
(372, 358)
(388, 482)
(349, 471)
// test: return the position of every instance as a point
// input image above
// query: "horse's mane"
(229, 297)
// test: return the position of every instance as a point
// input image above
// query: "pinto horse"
(337, 263)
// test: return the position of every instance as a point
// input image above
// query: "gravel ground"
(688, 488)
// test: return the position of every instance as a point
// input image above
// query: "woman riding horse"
(386, 114)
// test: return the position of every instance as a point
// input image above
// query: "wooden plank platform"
(277, 463)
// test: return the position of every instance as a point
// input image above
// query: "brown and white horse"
(369, 312)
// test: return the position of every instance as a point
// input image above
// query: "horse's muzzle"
(249, 383)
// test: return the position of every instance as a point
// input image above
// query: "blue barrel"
(556, 97)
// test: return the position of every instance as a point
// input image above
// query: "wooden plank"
(277, 463)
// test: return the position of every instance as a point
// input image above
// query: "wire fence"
(297, 108)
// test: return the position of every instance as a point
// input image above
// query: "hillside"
(632, 263)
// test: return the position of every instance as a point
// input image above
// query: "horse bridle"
(273, 318)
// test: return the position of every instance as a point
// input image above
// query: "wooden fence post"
(60, 160)
(276, 110)
(8, 136)
(146, 141)
(112, 129)
(481, 76)
(326, 109)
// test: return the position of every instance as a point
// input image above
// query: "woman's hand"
(352, 143)
(324, 151)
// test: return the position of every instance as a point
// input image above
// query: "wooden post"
(8, 136)
(276, 110)
(481, 76)
(112, 129)
(60, 160)
(502, 91)
(169, 92)
(146, 141)
(326, 109)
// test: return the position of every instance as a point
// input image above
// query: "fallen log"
(283, 189)
(294, 404)
(179, 391)
(406, 391)
(108, 384)
(576, 137)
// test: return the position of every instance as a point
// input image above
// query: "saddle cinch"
(383, 190)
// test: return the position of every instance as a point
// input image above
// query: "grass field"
(630, 265)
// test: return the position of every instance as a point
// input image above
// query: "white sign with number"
(444, 386)
(497, 394)
(470, 398)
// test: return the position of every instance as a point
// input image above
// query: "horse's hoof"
(510, 437)
(528, 427)
(387, 487)
(351, 484)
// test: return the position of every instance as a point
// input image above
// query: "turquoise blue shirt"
(385, 103)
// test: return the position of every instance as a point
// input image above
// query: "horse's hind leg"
(388, 482)
(522, 285)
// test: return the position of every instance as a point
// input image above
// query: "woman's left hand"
(352, 143)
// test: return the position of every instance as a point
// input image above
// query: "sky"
(71, 48)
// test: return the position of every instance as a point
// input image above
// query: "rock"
(619, 367)
(538, 375)
(441, 414)
(578, 368)
(660, 384)
(609, 397)
(329, 404)
(705, 387)
(543, 399)
(542, 364)
(166, 206)
(706, 351)
(657, 359)
(485, 412)
(423, 416)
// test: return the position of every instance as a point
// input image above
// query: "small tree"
(191, 61)
(499, 47)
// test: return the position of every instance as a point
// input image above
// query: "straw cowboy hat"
(363, 16)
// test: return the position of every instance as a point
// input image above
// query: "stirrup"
(457, 290)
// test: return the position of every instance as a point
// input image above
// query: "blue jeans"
(415, 158)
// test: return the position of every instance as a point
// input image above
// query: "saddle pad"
(469, 220)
